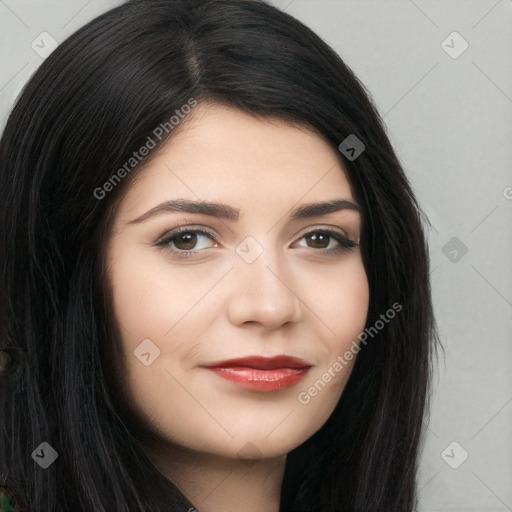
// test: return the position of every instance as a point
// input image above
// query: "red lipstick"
(258, 373)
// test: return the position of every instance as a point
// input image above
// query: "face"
(250, 278)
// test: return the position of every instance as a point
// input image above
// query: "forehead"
(227, 155)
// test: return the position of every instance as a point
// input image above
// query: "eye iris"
(189, 238)
(319, 237)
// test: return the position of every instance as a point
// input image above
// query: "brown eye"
(185, 241)
(319, 240)
(322, 238)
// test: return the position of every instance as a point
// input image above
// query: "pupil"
(189, 240)
(319, 238)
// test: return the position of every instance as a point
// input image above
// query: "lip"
(258, 373)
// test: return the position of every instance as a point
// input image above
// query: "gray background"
(450, 120)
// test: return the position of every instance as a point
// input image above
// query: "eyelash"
(345, 243)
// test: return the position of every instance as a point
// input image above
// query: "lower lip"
(261, 380)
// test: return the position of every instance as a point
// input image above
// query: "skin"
(292, 299)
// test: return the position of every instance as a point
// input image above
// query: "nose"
(264, 292)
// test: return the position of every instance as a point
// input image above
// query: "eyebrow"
(225, 211)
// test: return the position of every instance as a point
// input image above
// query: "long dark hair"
(93, 102)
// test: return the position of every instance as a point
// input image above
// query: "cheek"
(146, 307)
(343, 308)
(149, 299)
(340, 299)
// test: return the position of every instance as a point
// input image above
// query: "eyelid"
(324, 227)
(185, 227)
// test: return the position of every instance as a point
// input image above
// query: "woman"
(283, 366)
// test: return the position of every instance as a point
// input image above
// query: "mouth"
(257, 373)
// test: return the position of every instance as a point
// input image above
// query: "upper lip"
(263, 363)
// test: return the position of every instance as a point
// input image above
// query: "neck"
(219, 484)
